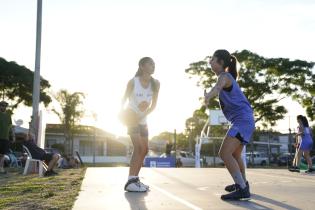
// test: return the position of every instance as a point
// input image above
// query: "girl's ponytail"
(232, 67)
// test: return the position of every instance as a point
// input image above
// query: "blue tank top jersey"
(307, 141)
(307, 135)
(234, 104)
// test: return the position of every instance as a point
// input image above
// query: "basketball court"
(194, 188)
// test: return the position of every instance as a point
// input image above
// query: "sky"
(93, 46)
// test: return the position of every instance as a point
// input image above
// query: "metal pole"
(269, 149)
(190, 136)
(36, 83)
(94, 115)
(213, 145)
(175, 141)
(189, 141)
(289, 148)
(94, 145)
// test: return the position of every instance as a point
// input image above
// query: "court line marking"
(178, 199)
(202, 188)
(281, 176)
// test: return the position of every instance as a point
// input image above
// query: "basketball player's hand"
(141, 115)
(143, 106)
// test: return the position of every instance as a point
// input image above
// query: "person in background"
(305, 145)
(38, 153)
(5, 130)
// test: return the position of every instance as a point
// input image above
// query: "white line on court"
(180, 200)
(202, 188)
(283, 177)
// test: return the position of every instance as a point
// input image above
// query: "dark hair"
(143, 61)
(229, 61)
(303, 120)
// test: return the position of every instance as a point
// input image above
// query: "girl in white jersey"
(142, 94)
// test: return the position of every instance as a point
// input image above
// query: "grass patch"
(33, 192)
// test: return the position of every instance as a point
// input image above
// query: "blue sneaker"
(232, 187)
(238, 194)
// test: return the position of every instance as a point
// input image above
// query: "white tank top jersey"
(140, 98)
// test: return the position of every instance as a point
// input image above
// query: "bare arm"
(127, 93)
(223, 81)
(300, 131)
(154, 98)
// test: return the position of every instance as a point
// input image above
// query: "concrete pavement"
(192, 188)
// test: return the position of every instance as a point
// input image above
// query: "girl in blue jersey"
(238, 111)
(305, 146)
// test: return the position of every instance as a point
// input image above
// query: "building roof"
(80, 129)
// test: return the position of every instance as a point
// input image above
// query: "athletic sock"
(132, 177)
(238, 179)
(244, 176)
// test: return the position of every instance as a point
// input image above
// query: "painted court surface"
(191, 188)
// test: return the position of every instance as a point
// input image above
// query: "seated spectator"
(40, 154)
(73, 162)
(64, 163)
(68, 162)
(23, 159)
(14, 162)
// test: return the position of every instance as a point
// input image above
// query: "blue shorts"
(142, 130)
(242, 130)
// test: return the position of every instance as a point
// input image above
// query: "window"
(87, 148)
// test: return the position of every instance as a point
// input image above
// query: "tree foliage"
(70, 114)
(16, 85)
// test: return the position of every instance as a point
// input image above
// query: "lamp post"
(36, 83)
(94, 115)
(191, 128)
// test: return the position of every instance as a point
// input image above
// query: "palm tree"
(70, 114)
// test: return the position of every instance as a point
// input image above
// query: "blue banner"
(158, 162)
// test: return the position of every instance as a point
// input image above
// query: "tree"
(16, 85)
(70, 114)
(194, 126)
(265, 82)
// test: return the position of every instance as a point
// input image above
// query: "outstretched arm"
(300, 131)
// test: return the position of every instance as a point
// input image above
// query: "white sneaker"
(134, 185)
(144, 185)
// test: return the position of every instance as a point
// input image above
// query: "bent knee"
(223, 154)
(144, 149)
(56, 156)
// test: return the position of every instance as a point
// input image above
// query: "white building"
(93, 144)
